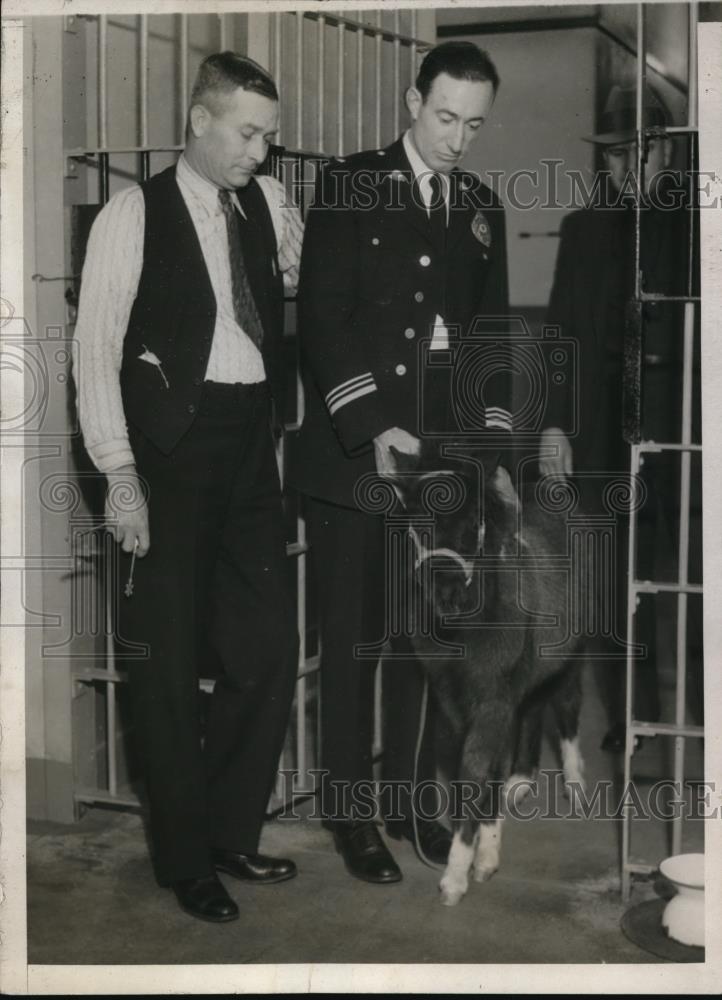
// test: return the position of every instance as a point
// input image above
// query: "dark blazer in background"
(593, 282)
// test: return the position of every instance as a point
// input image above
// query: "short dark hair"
(461, 60)
(222, 73)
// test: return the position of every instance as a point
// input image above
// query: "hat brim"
(610, 138)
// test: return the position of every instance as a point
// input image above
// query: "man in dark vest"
(593, 287)
(402, 250)
(179, 329)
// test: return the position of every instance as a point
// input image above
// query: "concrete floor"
(92, 897)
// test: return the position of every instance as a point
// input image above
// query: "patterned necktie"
(437, 211)
(244, 306)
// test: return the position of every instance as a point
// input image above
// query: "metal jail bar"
(678, 730)
(100, 155)
(345, 27)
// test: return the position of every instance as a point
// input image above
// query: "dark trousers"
(215, 577)
(348, 558)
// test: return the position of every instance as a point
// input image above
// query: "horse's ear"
(504, 488)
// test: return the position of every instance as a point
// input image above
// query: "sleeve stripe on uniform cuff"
(497, 416)
(347, 386)
(363, 390)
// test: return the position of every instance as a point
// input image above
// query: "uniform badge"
(480, 228)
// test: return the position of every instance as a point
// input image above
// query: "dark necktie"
(244, 305)
(437, 211)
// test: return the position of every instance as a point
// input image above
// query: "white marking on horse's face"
(455, 880)
(486, 861)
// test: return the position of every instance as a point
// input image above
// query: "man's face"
(231, 144)
(621, 161)
(444, 125)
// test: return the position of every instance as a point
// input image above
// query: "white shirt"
(423, 174)
(111, 274)
(234, 357)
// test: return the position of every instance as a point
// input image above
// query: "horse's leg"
(567, 702)
(488, 851)
(455, 880)
(528, 751)
(485, 750)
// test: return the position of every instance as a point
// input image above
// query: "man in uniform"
(180, 326)
(593, 285)
(400, 247)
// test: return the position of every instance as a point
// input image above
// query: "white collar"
(422, 172)
(201, 188)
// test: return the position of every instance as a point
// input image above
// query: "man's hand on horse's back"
(398, 439)
(126, 510)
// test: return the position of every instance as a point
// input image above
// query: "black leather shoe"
(253, 867)
(364, 852)
(434, 839)
(206, 899)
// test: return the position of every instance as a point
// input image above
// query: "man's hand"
(126, 510)
(394, 437)
(561, 463)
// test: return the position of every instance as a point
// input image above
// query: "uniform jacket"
(372, 281)
(593, 282)
(174, 312)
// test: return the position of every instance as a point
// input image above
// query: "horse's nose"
(450, 592)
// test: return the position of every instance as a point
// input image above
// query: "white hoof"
(453, 888)
(455, 880)
(486, 858)
(451, 898)
(482, 873)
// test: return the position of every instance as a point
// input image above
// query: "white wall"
(48, 466)
(666, 33)
(544, 105)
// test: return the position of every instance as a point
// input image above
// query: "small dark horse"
(490, 575)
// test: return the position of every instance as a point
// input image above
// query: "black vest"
(174, 313)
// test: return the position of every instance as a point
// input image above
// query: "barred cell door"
(124, 90)
(685, 586)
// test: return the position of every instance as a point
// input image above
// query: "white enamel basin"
(683, 917)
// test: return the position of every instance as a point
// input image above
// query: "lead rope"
(417, 752)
